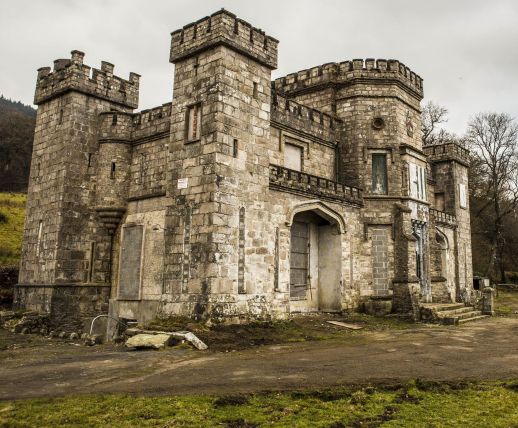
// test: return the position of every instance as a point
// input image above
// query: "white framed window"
(417, 181)
(293, 156)
(193, 122)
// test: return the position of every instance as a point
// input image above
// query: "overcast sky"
(465, 50)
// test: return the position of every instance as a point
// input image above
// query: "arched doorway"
(315, 262)
(442, 242)
(419, 233)
(447, 271)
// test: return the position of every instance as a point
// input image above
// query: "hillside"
(12, 214)
(9, 105)
(16, 137)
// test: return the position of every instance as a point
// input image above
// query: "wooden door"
(299, 260)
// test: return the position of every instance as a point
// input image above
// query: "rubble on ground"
(172, 335)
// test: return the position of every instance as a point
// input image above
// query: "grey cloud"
(465, 50)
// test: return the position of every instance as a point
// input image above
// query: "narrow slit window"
(195, 66)
(91, 264)
(89, 160)
(60, 120)
(141, 172)
(114, 120)
(255, 89)
(194, 123)
(235, 148)
(112, 171)
(379, 174)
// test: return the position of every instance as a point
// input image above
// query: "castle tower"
(218, 164)
(65, 265)
(381, 152)
(450, 163)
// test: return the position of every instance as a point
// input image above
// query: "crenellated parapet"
(152, 122)
(447, 152)
(443, 218)
(122, 127)
(291, 181)
(349, 72)
(224, 28)
(306, 119)
(72, 75)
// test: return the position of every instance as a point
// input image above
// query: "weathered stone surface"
(208, 183)
(155, 341)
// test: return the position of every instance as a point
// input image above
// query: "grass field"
(12, 215)
(417, 404)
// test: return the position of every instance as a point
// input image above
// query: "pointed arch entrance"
(315, 258)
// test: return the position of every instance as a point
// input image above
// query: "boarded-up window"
(193, 122)
(130, 261)
(379, 174)
(462, 196)
(293, 157)
(439, 201)
(416, 177)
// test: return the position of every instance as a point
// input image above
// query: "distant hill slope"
(12, 214)
(17, 122)
(9, 105)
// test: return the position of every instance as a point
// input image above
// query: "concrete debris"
(346, 325)
(182, 335)
(155, 341)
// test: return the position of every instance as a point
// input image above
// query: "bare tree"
(493, 139)
(431, 117)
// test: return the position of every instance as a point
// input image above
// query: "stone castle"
(243, 197)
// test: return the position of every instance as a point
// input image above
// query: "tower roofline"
(72, 75)
(348, 72)
(223, 28)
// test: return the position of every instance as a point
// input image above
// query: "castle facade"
(243, 197)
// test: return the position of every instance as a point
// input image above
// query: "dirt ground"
(33, 366)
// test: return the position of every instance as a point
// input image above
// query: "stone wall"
(127, 207)
(65, 243)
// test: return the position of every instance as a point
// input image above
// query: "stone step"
(448, 306)
(471, 314)
(455, 312)
(440, 307)
(463, 318)
(479, 317)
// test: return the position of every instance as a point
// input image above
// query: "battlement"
(347, 72)
(72, 75)
(152, 122)
(224, 28)
(281, 103)
(306, 119)
(447, 152)
(116, 126)
(151, 116)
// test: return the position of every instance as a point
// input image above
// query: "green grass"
(418, 404)
(12, 215)
(506, 303)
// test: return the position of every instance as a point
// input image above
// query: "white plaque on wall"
(462, 196)
(182, 183)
